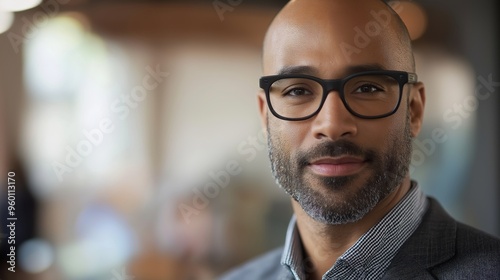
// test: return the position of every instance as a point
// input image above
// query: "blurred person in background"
(341, 105)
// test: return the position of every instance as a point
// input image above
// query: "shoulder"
(475, 254)
(267, 266)
(471, 239)
(466, 239)
(446, 249)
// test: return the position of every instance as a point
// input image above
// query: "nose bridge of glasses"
(333, 101)
(330, 86)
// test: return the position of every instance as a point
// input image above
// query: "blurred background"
(133, 132)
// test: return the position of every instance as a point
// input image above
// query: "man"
(341, 104)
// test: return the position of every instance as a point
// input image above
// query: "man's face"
(337, 166)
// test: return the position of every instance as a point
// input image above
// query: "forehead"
(332, 40)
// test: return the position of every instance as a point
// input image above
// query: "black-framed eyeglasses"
(367, 95)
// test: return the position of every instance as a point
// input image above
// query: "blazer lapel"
(430, 245)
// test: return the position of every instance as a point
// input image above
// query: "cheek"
(379, 134)
(290, 134)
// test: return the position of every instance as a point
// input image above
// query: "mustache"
(335, 149)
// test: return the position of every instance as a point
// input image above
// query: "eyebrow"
(363, 68)
(301, 69)
(309, 70)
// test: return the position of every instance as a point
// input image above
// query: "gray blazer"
(440, 248)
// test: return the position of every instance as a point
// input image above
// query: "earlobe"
(416, 107)
(261, 99)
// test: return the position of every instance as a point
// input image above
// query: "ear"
(416, 107)
(261, 99)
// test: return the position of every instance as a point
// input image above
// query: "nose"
(334, 121)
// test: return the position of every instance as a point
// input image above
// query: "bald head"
(333, 35)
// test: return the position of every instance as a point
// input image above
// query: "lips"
(337, 166)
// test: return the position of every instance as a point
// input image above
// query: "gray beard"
(389, 170)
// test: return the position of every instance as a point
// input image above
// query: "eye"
(367, 88)
(297, 92)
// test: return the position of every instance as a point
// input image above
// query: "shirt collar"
(293, 253)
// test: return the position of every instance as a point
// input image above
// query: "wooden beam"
(159, 22)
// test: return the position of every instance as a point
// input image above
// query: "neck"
(324, 244)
